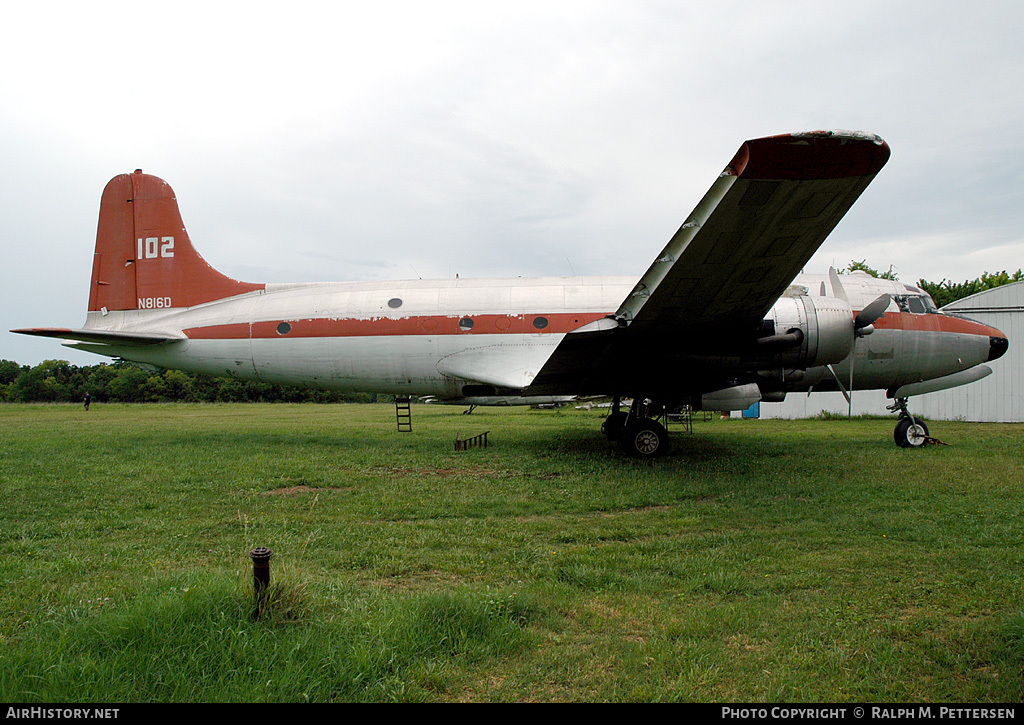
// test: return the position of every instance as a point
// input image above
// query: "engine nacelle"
(810, 331)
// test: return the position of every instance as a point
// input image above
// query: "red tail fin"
(144, 259)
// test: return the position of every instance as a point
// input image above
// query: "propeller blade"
(837, 286)
(871, 312)
(853, 357)
(842, 388)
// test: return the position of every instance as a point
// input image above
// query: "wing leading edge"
(736, 253)
(765, 216)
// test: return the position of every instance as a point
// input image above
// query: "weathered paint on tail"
(144, 258)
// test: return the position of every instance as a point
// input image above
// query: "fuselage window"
(284, 328)
(466, 324)
(540, 322)
(394, 303)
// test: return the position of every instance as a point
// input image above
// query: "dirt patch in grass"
(428, 579)
(297, 490)
(441, 472)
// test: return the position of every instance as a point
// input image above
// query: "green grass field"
(804, 561)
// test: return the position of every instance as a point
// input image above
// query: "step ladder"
(683, 416)
(403, 413)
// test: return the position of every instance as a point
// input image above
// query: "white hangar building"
(998, 398)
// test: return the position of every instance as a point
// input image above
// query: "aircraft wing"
(740, 248)
(754, 230)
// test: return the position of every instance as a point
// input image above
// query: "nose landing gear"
(910, 432)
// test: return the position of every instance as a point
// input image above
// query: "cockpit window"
(918, 304)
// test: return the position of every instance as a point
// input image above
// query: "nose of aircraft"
(997, 347)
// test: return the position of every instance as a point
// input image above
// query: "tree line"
(58, 381)
(947, 291)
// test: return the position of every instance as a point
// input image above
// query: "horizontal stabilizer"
(104, 337)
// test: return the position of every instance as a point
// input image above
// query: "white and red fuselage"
(690, 331)
(436, 337)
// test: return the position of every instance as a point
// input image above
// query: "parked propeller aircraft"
(720, 320)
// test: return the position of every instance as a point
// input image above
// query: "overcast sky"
(394, 140)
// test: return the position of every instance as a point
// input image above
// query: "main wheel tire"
(644, 438)
(910, 433)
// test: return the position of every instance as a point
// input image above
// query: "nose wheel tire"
(910, 433)
(644, 438)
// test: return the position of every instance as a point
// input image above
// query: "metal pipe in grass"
(260, 577)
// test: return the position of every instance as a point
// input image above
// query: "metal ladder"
(684, 416)
(403, 413)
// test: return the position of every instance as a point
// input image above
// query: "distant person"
(88, 399)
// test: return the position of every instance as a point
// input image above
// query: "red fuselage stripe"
(558, 323)
(561, 322)
(934, 323)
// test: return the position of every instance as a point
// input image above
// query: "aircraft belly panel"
(223, 358)
(360, 364)
(401, 363)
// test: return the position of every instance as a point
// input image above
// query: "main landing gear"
(638, 434)
(910, 432)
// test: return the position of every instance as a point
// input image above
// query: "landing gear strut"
(910, 432)
(612, 426)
